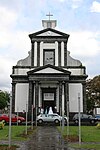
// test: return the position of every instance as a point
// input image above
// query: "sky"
(78, 18)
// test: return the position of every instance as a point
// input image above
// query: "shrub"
(98, 126)
(2, 123)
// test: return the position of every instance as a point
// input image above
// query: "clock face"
(49, 57)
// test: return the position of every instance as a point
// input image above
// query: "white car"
(51, 118)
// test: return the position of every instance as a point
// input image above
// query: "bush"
(98, 126)
(2, 123)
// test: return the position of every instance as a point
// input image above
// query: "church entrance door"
(49, 98)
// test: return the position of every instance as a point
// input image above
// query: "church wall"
(74, 89)
(76, 71)
(21, 96)
(98, 110)
(23, 71)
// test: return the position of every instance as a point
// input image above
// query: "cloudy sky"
(19, 18)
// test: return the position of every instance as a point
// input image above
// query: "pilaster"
(38, 53)
(30, 101)
(66, 96)
(32, 54)
(60, 98)
(13, 96)
(84, 98)
(59, 53)
(65, 53)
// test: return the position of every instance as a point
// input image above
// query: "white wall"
(21, 96)
(74, 89)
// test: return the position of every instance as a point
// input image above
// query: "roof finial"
(49, 15)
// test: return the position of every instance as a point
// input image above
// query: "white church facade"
(49, 76)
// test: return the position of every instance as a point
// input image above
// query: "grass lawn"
(17, 133)
(88, 134)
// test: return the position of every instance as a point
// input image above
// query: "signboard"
(48, 96)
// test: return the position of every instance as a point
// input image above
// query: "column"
(59, 53)
(60, 98)
(38, 53)
(36, 99)
(56, 53)
(84, 98)
(32, 54)
(66, 96)
(65, 53)
(30, 101)
(13, 96)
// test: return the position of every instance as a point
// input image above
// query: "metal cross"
(49, 15)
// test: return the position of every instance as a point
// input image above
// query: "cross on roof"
(49, 15)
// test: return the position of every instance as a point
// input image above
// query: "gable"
(49, 69)
(49, 32)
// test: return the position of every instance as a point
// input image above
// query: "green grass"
(88, 134)
(17, 133)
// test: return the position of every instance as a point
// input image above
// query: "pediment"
(48, 32)
(49, 69)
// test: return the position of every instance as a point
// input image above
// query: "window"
(49, 57)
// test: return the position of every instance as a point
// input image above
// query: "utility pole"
(79, 119)
(10, 113)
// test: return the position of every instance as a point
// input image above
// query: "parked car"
(97, 117)
(53, 118)
(84, 118)
(14, 118)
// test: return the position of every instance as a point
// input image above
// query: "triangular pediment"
(49, 69)
(49, 32)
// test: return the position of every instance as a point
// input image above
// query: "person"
(50, 111)
(46, 112)
(42, 110)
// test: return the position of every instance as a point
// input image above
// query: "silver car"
(54, 118)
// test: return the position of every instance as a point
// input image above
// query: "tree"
(93, 93)
(4, 99)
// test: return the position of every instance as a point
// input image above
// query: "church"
(49, 76)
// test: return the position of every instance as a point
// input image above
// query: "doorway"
(48, 98)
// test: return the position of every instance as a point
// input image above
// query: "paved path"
(46, 138)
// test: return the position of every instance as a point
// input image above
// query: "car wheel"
(92, 121)
(56, 121)
(40, 121)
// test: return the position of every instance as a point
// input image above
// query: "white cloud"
(95, 7)
(76, 3)
(7, 18)
(5, 71)
(83, 44)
